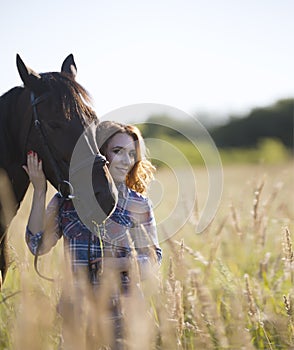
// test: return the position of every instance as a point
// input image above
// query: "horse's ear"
(31, 79)
(69, 66)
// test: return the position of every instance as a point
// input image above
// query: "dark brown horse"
(48, 115)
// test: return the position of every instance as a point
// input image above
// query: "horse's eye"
(53, 124)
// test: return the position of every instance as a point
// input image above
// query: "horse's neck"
(11, 156)
(17, 179)
(11, 121)
(13, 186)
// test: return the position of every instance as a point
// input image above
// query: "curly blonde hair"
(143, 171)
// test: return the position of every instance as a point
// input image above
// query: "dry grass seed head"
(235, 220)
(288, 254)
(252, 308)
(288, 305)
(256, 201)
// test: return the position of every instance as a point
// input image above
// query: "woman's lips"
(122, 170)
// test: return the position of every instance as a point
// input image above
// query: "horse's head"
(58, 115)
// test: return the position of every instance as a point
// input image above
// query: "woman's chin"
(119, 179)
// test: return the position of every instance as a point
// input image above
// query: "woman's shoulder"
(139, 202)
(137, 196)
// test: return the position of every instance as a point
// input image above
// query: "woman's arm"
(41, 229)
(149, 253)
(34, 170)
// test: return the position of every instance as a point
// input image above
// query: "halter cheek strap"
(34, 102)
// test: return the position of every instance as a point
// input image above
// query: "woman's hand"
(35, 172)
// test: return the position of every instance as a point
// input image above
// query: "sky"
(214, 57)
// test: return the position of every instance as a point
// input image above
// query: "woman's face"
(121, 154)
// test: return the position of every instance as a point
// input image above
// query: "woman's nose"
(126, 159)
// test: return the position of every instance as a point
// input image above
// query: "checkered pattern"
(132, 225)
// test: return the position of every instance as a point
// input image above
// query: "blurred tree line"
(264, 134)
(275, 121)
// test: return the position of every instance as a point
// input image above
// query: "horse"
(49, 114)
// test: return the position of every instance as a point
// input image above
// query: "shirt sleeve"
(146, 239)
(41, 242)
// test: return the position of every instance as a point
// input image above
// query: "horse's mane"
(74, 98)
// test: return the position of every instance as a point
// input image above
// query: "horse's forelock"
(73, 97)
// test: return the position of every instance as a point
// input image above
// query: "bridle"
(37, 124)
(49, 155)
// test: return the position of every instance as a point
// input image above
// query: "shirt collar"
(122, 189)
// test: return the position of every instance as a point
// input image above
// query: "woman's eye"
(132, 154)
(116, 151)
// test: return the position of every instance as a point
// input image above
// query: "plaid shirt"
(132, 224)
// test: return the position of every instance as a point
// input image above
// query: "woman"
(129, 233)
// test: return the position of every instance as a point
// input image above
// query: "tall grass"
(230, 287)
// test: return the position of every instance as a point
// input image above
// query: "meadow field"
(230, 287)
